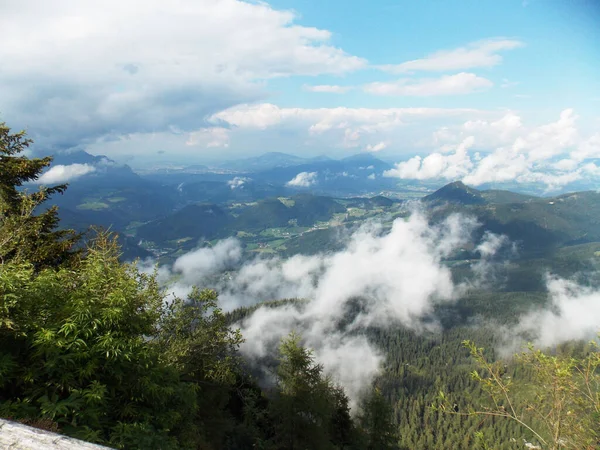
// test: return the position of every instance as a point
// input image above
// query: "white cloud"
(476, 54)
(573, 314)
(89, 70)
(553, 154)
(237, 182)
(436, 165)
(303, 179)
(331, 89)
(209, 137)
(376, 148)
(64, 174)
(337, 127)
(351, 138)
(371, 177)
(399, 275)
(589, 148)
(205, 262)
(265, 115)
(460, 83)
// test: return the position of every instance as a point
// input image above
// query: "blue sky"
(560, 57)
(473, 89)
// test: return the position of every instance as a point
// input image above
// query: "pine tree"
(25, 233)
(376, 422)
(303, 407)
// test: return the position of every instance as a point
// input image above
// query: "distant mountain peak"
(79, 157)
(456, 192)
(263, 162)
(361, 157)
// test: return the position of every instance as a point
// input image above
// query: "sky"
(472, 89)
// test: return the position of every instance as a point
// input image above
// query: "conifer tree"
(26, 234)
(376, 422)
(301, 408)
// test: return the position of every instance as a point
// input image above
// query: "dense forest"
(92, 347)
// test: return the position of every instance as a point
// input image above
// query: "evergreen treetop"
(26, 234)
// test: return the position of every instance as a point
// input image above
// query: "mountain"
(536, 224)
(270, 213)
(305, 209)
(189, 223)
(355, 175)
(456, 192)
(365, 161)
(502, 196)
(268, 175)
(264, 162)
(113, 195)
(367, 203)
(309, 209)
(236, 189)
(210, 221)
(78, 157)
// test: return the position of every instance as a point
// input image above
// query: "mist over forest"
(230, 225)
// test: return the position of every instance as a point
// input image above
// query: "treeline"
(92, 348)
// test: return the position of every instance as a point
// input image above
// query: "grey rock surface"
(16, 436)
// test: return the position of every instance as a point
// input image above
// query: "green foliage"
(376, 422)
(308, 410)
(94, 349)
(562, 405)
(25, 236)
(302, 407)
(555, 405)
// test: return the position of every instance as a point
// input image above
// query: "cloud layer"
(86, 70)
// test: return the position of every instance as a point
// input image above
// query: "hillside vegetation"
(94, 348)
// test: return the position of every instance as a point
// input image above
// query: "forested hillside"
(99, 349)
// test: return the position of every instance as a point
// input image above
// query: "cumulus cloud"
(209, 137)
(436, 165)
(461, 83)
(380, 278)
(552, 154)
(64, 174)
(374, 148)
(477, 54)
(86, 70)
(573, 314)
(589, 148)
(303, 179)
(330, 89)
(237, 182)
